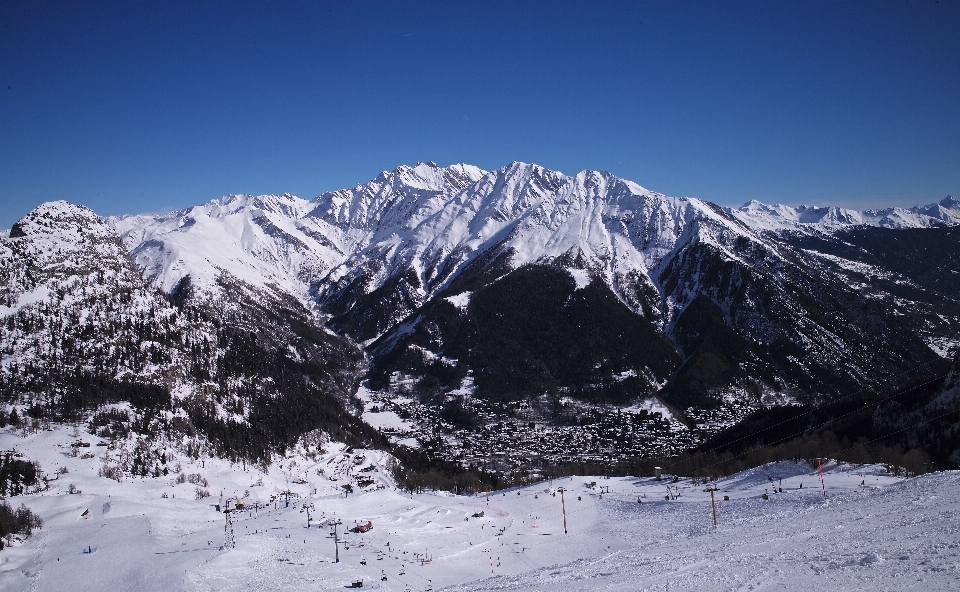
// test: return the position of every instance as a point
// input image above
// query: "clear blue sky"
(143, 106)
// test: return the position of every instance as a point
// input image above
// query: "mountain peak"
(393, 195)
(61, 238)
(59, 218)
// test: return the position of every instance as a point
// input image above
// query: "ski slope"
(888, 533)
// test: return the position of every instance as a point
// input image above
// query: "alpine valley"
(508, 321)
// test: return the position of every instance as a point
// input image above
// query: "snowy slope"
(902, 536)
(888, 533)
(266, 241)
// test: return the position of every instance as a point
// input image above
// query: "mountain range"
(520, 292)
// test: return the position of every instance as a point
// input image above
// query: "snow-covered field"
(887, 533)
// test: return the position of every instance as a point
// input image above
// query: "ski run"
(860, 529)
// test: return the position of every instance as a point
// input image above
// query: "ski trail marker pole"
(822, 485)
(714, 506)
(563, 507)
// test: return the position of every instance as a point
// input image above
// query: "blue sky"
(143, 106)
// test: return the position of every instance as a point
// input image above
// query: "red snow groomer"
(362, 527)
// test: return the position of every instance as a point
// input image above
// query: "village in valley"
(522, 436)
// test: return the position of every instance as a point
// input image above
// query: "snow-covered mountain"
(381, 257)
(266, 241)
(593, 223)
(65, 280)
(82, 331)
(780, 217)
(524, 282)
(421, 226)
(280, 242)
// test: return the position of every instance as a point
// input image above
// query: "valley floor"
(874, 531)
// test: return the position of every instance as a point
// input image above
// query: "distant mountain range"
(459, 285)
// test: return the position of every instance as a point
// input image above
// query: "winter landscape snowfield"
(374, 353)
(874, 531)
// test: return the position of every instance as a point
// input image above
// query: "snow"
(38, 294)
(386, 420)
(651, 405)
(461, 300)
(467, 386)
(945, 347)
(580, 276)
(887, 533)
